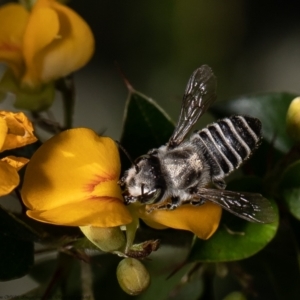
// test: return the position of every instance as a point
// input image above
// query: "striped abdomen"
(227, 143)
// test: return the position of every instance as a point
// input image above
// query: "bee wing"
(249, 206)
(199, 94)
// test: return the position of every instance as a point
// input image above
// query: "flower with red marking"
(72, 180)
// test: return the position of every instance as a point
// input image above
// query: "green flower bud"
(107, 239)
(293, 119)
(235, 296)
(132, 276)
(37, 99)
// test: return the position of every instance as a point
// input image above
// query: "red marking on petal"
(102, 198)
(9, 47)
(89, 187)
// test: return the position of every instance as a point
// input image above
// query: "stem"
(58, 280)
(67, 89)
(46, 124)
(86, 281)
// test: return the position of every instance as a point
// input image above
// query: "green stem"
(67, 89)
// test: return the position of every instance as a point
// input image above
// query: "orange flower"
(72, 180)
(15, 131)
(45, 44)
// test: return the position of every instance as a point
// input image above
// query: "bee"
(180, 172)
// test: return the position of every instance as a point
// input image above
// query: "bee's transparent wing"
(249, 206)
(199, 94)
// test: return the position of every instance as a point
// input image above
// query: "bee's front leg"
(168, 204)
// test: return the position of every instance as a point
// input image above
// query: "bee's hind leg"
(195, 200)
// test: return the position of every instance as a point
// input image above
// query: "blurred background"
(251, 45)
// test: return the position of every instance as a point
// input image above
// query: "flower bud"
(293, 119)
(235, 296)
(132, 276)
(107, 239)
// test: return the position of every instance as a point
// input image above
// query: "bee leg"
(174, 203)
(197, 201)
(121, 182)
(219, 183)
(129, 199)
(168, 204)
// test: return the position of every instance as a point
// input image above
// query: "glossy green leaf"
(274, 272)
(17, 257)
(235, 238)
(291, 176)
(270, 108)
(145, 125)
(262, 160)
(290, 188)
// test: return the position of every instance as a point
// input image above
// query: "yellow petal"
(57, 42)
(13, 18)
(9, 178)
(98, 212)
(73, 169)
(202, 220)
(19, 130)
(3, 132)
(16, 162)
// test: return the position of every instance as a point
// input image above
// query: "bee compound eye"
(150, 197)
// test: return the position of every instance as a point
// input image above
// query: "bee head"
(143, 180)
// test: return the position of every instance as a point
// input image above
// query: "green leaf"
(146, 125)
(262, 160)
(274, 272)
(269, 108)
(235, 238)
(292, 199)
(291, 176)
(17, 257)
(290, 188)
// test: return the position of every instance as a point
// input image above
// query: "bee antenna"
(128, 156)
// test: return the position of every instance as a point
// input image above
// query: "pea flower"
(72, 180)
(15, 131)
(47, 43)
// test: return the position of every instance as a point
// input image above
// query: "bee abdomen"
(227, 143)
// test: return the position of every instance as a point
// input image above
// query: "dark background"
(251, 45)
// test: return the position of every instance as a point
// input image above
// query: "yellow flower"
(45, 44)
(72, 180)
(15, 131)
